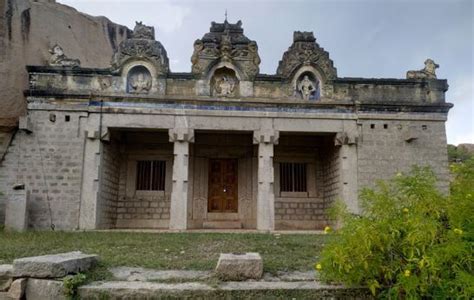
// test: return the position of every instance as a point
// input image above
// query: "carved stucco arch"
(311, 69)
(222, 64)
(132, 63)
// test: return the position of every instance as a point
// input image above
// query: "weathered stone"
(5, 277)
(239, 266)
(53, 266)
(6, 271)
(41, 289)
(16, 217)
(141, 274)
(17, 289)
(140, 290)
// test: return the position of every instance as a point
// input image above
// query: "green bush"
(411, 241)
(71, 283)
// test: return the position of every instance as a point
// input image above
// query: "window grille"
(293, 177)
(151, 175)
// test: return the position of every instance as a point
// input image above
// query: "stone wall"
(332, 178)
(301, 210)
(49, 162)
(143, 209)
(391, 146)
(109, 184)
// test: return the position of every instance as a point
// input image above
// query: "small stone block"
(6, 271)
(235, 266)
(17, 289)
(53, 266)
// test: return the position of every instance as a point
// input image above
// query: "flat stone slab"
(142, 274)
(233, 266)
(53, 266)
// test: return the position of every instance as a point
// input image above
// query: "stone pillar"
(265, 139)
(181, 137)
(89, 210)
(348, 169)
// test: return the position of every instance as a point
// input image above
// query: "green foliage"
(71, 283)
(411, 241)
(458, 154)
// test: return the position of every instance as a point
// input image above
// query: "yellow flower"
(458, 231)
(407, 273)
(319, 267)
(327, 229)
(405, 210)
(399, 174)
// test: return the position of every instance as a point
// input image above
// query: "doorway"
(223, 187)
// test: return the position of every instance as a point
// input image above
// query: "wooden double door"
(223, 188)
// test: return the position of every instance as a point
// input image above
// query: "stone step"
(222, 225)
(227, 290)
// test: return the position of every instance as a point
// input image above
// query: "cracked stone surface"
(142, 274)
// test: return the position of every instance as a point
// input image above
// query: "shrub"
(410, 241)
(71, 283)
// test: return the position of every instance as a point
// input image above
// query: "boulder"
(44, 289)
(17, 289)
(238, 267)
(53, 266)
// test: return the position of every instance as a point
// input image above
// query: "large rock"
(17, 289)
(239, 266)
(53, 266)
(43, 289)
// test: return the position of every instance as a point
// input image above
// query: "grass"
(187, 251)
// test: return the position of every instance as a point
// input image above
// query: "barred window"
(293, 177)
(151, 175)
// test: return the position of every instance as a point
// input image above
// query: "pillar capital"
(181, 135)
(346, 138)
(267, 136)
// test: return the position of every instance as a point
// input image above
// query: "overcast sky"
(365, 38)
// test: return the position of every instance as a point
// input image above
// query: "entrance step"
(222, 225)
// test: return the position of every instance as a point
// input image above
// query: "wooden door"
(223, 185)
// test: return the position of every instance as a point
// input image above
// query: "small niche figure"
(140, 83)
(306, 87)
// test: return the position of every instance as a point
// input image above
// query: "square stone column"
(181, 137)
(347, 141)
(265, 139)
(89, 210)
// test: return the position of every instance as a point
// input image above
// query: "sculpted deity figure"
(225, 86)
(429, 71)
(306, 87)
(58, 58)
(140, 83)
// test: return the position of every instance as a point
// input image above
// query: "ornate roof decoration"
(428, 72)
(226, 42)
(306, 52)
(142, 46)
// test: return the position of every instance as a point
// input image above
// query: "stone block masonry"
(49, 162)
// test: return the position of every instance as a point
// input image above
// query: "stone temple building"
(136, 145)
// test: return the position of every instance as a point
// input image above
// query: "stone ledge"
(150, 290)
